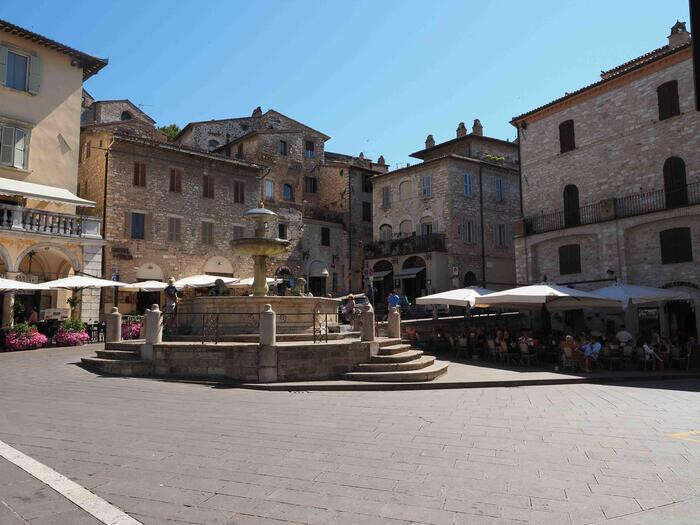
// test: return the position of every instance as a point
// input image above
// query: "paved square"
(194, 453)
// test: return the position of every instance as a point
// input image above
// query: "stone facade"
(617, 165)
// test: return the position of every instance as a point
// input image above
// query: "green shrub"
(20, 328)
(73, 325)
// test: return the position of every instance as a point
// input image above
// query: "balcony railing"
(628, 206)
(18, 218)
(433, 242)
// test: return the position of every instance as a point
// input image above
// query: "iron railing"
(48, 222)
(432, 242)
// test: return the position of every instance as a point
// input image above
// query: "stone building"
(446, 222)
(611, 184)
(41, 236)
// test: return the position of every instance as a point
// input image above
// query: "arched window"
(406, 228)
(288, 192)
(385, 232)
(426, 226)
(572, 214)
(675, 186)
(405, 190)
(126, 115)
(213, 144)
(469, 279)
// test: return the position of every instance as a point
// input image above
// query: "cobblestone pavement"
(194, 453)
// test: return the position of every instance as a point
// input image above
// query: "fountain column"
(260, 281)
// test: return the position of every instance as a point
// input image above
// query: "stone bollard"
(367, 328)
(153, 331)
(113, 326)
(394, 322)
(267, 359)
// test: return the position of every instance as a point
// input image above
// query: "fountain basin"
(259, 246)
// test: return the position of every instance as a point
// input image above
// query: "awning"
(378, 276)
(318, 269)
(40, 192)
(408, 273)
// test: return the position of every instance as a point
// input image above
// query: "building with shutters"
(42, 238)
(611, 184)
(446, 222)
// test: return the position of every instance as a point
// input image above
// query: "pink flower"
(69, 338)
(25, 340)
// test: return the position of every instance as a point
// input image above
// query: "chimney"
(679, 35)
(381, 161)
(461, 130)
(429, 142)
(257, 112)
(477, 128)
(362, 155)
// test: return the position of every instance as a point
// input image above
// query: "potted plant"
(71, 333)
(22, 336)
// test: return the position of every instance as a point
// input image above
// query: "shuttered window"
(208, 186)
(667, 95)
(676, 246)
(288, 192)
(269, 189)
(567, 141)
(427, 186)
(310, 184)
(174, 229)
(309, 149)
(20, 70)
(386, 197)
(468, 185)
(499, 189)
(569, 259)
(501, 235)
(282, 230)
(367, 183)
(138, 226)
(283, 148)
(325, 237)
(139, 174)
(207, 233)
(238, 191)
(175, 181)
(14, 146)
(467, 232)
(367, 211)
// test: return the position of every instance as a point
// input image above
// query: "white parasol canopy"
(202, 281)
(78, 282)
(10, 285)
(554, 296)
(459, 297)
(248, 281)
(635, 294)
(146, 286)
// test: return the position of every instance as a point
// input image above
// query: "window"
(288, 192)
(13, 150)
(125, 115)
(174, 229)
(427, 186)
(367, 183)
(17, 71)
(667, 97)
(569, 259)
(386, 197)
(676, 246)
(269, 189)
(385, 233)
(282, 230)
(468, 185)
(406, 228)
(138, 225)
(208, 186)
(310, 184)
(309, 149)
(207, 233)
(238, 191)
(405, 190)
(675, 188)
(325, 236)
(499, 189)
(572, 210)
(367, 211)
(283, 148)
(467, 232)
(239, 151)
(566, 136)
(426, 226)
(213, 144)
(501, 235)
(238, 232)
(139, 174)
(175, 181)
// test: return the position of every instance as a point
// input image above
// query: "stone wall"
(316, 362)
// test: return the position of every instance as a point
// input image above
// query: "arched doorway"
(383, 282)
(413, 279)
(469, 279)
(318, 275)
(675, 188)
(572, 212)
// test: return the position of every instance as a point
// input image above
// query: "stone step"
(402, 357)
(394, 349)
(126, 367)
(118, 354)
(388, 341)
(131, 345)
(424, 374)
(415, 364)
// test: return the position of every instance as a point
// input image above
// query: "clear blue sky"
(377, 76)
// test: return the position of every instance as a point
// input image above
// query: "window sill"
(13, 169)
(15, 90)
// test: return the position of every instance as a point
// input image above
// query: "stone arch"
(218, 265)
(406, 227)
(67, 254)
(149, 272)
(405, 189)
(5, 258)
(386, 232)
(414, 261)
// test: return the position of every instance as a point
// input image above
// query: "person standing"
(171, 297)
(393, 299)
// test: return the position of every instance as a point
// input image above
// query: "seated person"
(650, 354)
(623, 336)
(591, 350)
(571, 350)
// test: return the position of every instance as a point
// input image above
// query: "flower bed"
(71, 333)
(131, 329)
(24, 337)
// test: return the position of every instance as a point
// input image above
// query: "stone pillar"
(113, 328)
(267, 357)
(89, 307)
(8, 304)
(153, 331)
(367, 317)
(394, 322)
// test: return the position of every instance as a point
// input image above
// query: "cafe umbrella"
(77, 283)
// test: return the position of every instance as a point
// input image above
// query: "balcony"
(20, 219)
(433, 242)
(618, 208)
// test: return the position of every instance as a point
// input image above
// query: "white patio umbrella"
(202, 281)
(553, 296)
(146, 286)
(459, 297)
(80, 282)
(10, 285)
(634, 294)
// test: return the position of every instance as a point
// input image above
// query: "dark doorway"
(675, 186)
(469, 279)
(414, 285)
(681, 320)
(317, 286)
(572, 213)
(144, 300)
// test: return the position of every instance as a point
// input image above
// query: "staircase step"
(132, 345)
(388, 341)
(394, 349)
(415, 364)
(127, 367)
(424, 374)
(402, 357)
(118, 354)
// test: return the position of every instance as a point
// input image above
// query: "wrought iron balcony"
(20, 219)
(433, 242)
(628, 206)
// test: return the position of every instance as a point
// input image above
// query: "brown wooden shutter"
(127, 224)
(143, 174)
(567, 141)
(667, 95)
(137, 171)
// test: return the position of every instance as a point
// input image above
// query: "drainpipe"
(481, 213)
